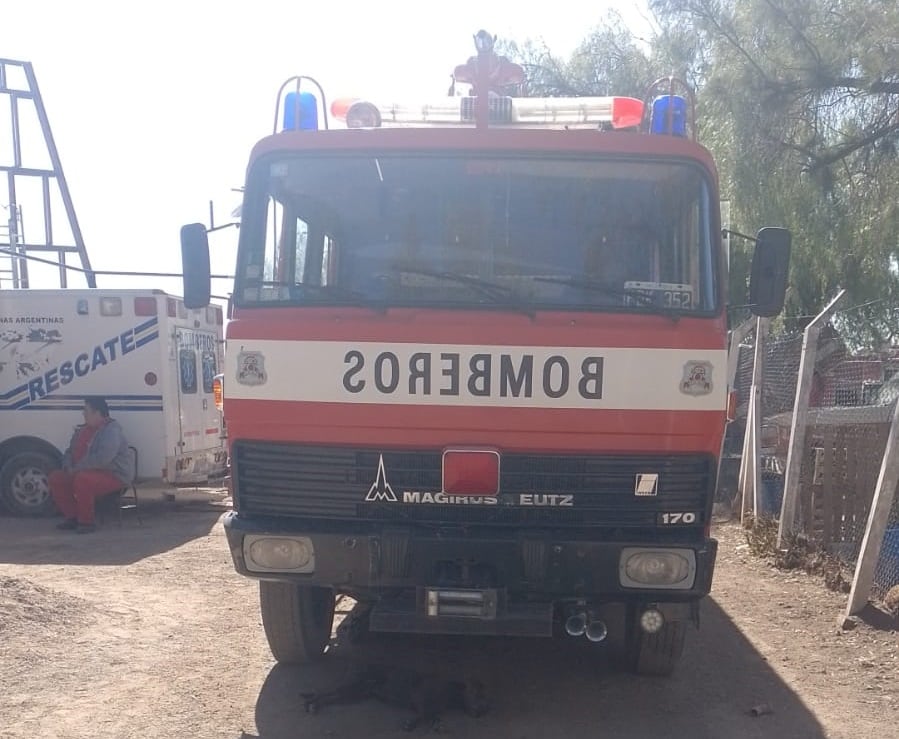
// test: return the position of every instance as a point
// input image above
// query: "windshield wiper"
(485, 287)
(499, 294)
(601, 287)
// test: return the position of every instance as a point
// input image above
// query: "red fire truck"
(475, 365)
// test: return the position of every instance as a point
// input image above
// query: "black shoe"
(68, 525)
(85, 528)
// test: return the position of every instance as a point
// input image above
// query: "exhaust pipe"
(576, 624)
(596, 631)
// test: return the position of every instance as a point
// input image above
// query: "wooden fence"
(839, 474)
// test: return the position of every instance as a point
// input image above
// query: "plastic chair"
(125, 499)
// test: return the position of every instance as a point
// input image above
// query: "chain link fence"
(851, 402)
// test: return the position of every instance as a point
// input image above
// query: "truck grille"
(333, 482)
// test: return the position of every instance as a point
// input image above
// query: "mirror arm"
(730, 232)
(236, 224)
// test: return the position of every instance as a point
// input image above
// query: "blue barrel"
(886, 574)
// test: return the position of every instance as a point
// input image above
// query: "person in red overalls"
(97, 463)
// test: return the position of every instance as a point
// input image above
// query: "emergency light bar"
(492, 75)
(620, 112)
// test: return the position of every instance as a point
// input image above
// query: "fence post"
(737, 337)
(877, 521)
(761, 331)
(800, 419)
(752, 476)
(743, 480)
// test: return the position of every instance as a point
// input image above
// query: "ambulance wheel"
(23, 483)
(297, 620)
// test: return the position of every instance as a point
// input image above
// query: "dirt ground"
(146, 631)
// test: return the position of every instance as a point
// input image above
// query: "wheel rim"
(29, 487)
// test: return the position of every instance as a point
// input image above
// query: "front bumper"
(526, 565)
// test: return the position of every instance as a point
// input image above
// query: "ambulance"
(152, 359)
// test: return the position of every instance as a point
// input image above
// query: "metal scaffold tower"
(37, 219)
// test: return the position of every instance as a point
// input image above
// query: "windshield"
(533, 233)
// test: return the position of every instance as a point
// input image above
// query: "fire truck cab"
(475, 366)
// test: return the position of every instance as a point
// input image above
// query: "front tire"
(297, 620)
(23, 484)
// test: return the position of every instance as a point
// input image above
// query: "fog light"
(652, 621)
(673, 569)
(279, 553)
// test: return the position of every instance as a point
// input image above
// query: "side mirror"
(770, 269)
(195, 265)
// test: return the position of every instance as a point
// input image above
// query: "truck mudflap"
(465, 581)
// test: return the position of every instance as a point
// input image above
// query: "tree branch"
(841, 152)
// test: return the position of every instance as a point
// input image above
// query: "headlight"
(657, 568)
(279, 553)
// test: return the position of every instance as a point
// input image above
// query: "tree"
(804, 121)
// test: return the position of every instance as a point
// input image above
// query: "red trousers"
(75, 492)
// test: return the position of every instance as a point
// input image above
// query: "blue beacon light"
(660, 112)
(300, 112)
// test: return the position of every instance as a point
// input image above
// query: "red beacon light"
(356, 113)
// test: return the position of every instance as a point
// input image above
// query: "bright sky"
(155, 106)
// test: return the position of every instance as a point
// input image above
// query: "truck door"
(198, 363)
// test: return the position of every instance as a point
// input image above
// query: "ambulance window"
(209, 370)
(187, 364)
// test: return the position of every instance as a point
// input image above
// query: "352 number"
(676, 518)
(678, 299)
